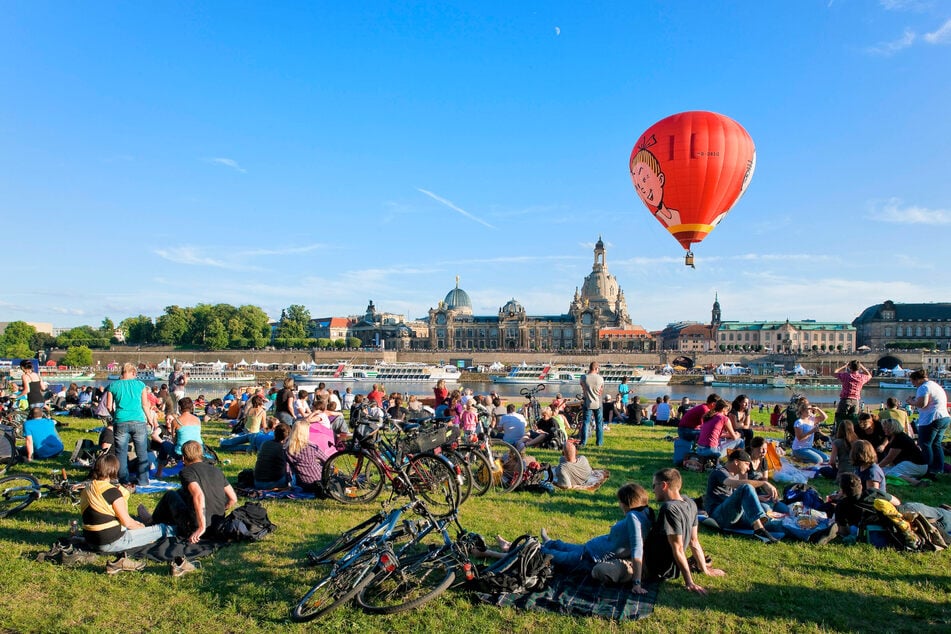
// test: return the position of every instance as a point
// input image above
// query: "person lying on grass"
(624, 541)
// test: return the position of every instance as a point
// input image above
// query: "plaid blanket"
(580, 595)
(291, 493)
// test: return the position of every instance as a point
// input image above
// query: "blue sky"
(327, 154)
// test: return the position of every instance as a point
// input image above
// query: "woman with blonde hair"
(305, 459)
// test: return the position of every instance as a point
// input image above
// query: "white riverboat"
(52, 374)
(615, 373)
(383, 372)
(147, 376)
(534, 373)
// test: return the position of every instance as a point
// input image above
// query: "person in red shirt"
(376, 395)
(441, 392)
(852, 376)
(689, 427)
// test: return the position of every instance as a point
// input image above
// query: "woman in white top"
(805, 428)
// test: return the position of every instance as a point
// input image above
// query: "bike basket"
(366, 429)
(430, 439)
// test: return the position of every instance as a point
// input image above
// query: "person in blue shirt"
(42, 441)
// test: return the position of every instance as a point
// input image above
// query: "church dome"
(458, 299)
(512, 307)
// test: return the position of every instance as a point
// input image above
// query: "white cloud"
(452, 206)
(227, 162)
(286, 251)
(894, 211)
(890, 48)
(941, 36)
(195, 256)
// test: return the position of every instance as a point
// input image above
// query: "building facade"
(905, 326)
(597, 318)
(786, 337)
(691, 336)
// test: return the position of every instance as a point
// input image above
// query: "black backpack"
(8, 446)
(249, 523)
(524, 569)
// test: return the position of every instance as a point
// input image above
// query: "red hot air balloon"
(690, 169)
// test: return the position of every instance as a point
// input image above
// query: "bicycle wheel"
(411, 585)
(510, 460)
(479, 467)
(337, 588)
(463, 473)
(434, 480)
(17, 492)
(352, 477)
(346, 540)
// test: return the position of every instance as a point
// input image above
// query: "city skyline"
(330, 155)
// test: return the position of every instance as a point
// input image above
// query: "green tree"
(138, 330)
(256, 326)
(77, 357)
(216, 335)
(323, 343)
(172, 327)
(15, 341)
(42, 340)
(339, 343)
(295, 322)
(107, 329)
(354, 342)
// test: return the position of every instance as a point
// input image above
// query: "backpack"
(524, 569)
(8, 446)
(249, 523)
(930, 537)
(804, 493)
(537, 478)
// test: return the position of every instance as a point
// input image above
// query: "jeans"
(718, 451)
(810, 455)
(276, 484)
(690, 435)
(929, 439)
(566, 556)
(598, 422)
(138, 432)
(739, 510)
(238, 441)
(135, 537)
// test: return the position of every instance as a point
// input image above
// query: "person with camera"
(806, 428)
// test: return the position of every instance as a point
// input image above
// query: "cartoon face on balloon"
(648, 181)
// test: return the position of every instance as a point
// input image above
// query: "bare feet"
(544, 534)
(503, 544)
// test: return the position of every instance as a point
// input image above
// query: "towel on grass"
(580, 595)
(157, 486)
(594, 481)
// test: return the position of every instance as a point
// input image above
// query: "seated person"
(558, 404)
(414, 405)
(572, 470)
(851, 494)
(675, 530)
(547, 424)
(805, 429)
(186, 425)
(254, 418)
(107, 525)
(270, 469)
(200, 401)
(870, 429)
(214, 409)
(41, 439)
(731, 499)
(717, 435)
(266, 433)
(107, 439)
(305, 459)
(759, 470)
(397, 411)
(199, 507)
(513, 427)
(865, 465)
(690, 422)
(840, 460)
(903, 457)
(337, 422)
(625, 540)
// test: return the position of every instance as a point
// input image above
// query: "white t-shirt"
(937, 405)
(513, 428)
(809, 426)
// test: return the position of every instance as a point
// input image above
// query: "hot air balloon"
(690, 169)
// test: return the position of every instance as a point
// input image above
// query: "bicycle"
(407, 461)
(17, 491)
(12, 416)
(532, 410)
(498, 464)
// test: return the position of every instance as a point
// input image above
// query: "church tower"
(715, 313)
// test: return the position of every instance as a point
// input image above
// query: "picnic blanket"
(291, 493)
(595, 480)
(580, 595)
(157, 486)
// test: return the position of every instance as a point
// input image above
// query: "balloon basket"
(688, 260)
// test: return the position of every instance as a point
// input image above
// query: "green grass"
(250, 587)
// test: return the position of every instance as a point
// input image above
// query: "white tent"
(900, 371)
(258, 365)
(799, 370)
(667, 369)
(241, 364)
(165, 364)
(218, 365)
(498, 365)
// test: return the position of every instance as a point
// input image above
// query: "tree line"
(203, 327)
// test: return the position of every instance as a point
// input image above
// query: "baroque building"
(597, 318)
(891, 325)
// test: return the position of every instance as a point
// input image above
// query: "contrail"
(449, 204)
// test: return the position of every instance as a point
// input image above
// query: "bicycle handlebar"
(532, 391)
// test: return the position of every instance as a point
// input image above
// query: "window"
(918, 331)
(927, 331)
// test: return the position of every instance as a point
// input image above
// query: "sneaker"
(181, 566)
(824, 536)
(765, 535)
(52, 555)
(123, 563)
(73, 556)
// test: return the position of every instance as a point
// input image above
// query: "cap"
(740, 455)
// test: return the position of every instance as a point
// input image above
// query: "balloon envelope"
(690, 169)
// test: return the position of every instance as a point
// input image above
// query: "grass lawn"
(250, 587)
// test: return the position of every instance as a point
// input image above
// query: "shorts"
(615, 571)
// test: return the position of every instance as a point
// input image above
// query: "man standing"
(852, 376)
(592, 385)
(731, 500)
(673, 532)
(177, 381)
(933, 419)
(128, 400)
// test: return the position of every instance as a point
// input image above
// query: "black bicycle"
(532, 410)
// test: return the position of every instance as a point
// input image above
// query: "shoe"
(544, 535)
(181, 566)
(54, 554)
(73, 556)
(122, 564)
(144, 516)
(765, 535)
(824, 536)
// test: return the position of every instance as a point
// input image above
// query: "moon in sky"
(557, 30)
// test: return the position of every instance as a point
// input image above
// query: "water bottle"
(74, 529)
